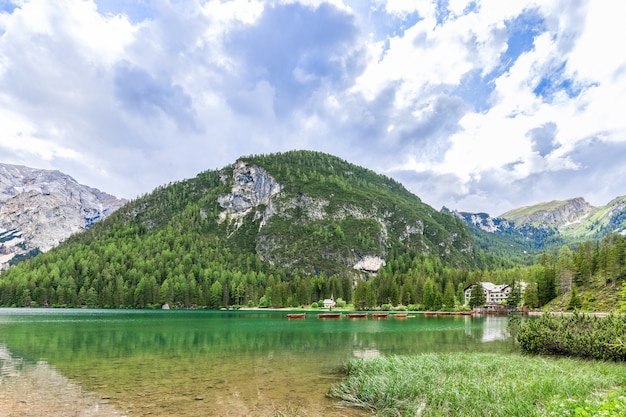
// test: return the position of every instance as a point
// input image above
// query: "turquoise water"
(242, 363)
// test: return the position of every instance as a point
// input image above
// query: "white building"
(494, 294)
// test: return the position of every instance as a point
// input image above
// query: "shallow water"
(190, 363)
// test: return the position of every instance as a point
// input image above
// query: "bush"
(340, 303)
(314, 305)
(578, 335)
(385, 307)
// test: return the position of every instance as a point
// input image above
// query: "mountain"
(280, 229)
(553, 214)
(309, 212)
(40, 208)
(545, 225)
(338, 214)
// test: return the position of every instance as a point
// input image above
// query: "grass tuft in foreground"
(479, 384)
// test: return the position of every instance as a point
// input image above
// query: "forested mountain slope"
(276, 229)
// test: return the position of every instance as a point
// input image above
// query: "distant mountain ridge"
(547, 224)
(40, 208)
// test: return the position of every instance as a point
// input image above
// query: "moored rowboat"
(329, 316)
(296, 315)
(356, 315)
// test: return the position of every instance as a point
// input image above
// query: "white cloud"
(126, 103)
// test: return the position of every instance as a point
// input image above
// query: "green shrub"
(578, 335)
(314, 305)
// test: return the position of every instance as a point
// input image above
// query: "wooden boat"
(329, 316)
(356, 315)
(443, 313)
(380, 315)
(430, 313)
(296, 315)
(400, 316)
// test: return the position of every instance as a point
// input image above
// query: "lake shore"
(34, 390)
(569, 313)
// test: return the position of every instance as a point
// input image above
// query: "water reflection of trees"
(81, 341)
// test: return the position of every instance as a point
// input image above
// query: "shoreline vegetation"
(573, 365)
(480, 384)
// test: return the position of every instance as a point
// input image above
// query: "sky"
(478, 106)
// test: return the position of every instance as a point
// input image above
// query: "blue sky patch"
(556, 81)
(7, 6)
(471, 8)
(522, 32)
(391, 25)
(135, 10)
(475, 89)
(442, 11)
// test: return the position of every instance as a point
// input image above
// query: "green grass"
(478, 384)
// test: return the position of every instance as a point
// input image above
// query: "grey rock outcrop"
(483, 221)
(252, 187)
(556, 213)
(41, 208)
(370, 263)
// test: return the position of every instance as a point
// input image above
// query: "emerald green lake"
(210, 363)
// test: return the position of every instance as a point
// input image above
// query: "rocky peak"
(483, 221)
(552, 214)
(40, 208)
(252, 187)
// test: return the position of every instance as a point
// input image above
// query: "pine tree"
(531, 298)
(515, 296)
(477, 296)
(429, 295)
(448, 295)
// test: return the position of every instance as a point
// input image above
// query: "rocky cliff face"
(556, 214)
(40, 208)
(483, 221)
